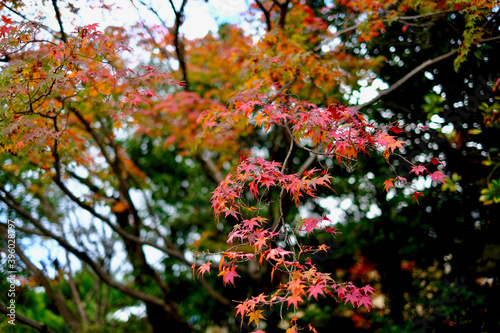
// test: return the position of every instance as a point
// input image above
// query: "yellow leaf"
(255, 316)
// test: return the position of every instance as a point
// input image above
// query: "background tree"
(109, 159)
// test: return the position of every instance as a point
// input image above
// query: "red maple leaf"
(228, 275)
(336, 114)
(312, 329)
(341, 292)
(92, 27)
(246, 167)
(134, 101)
(396, 129)
(351, 298)
(438, 176)
(395, 144)
(316, 290)
(294, 299)
(416, 195)
(419, 170)
(261, 241)
(277, 252)
(366, 301)
(295, 285)
(332, 231)
(242, 310)
(310, 224)
(368, 289)
(436, 161)
(4, 30)
(6, 19)
(384, 139)
(323, 247)
(231, 211)
(249, 224)
(205, 268)
(267, 182)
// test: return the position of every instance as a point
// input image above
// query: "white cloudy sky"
(200, 18)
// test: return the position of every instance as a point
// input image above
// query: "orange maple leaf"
(388, 184)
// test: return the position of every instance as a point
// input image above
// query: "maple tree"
(250, 127)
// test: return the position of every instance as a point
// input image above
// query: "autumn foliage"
(263, 116)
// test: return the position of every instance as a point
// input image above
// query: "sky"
(201, 17)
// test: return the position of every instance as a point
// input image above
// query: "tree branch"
(69, 317)
(179, 47)
(210, 168)
(307, 163)
(115, 164)
(82, 255)
(427, 15)
(76, 295)
(406, 78)
(486, 40)
(59, 21)
(266, 14)
(283, 12)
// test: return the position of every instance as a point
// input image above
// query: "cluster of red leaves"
(335, 131)
(256, 173)
(304, 279)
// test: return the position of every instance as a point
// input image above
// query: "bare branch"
(354, 27)
(59, 21)
(491, 39)
(69, 317)
(179, 47)
(266, 14)
(214, 293)
(307, 163)
(76, 295)
(87, 182)
(284, 11)
(27, 230)
(115, 164)
(210, 168)
(287, 86)
(406, 78)
(9, 200)
(414, 17)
